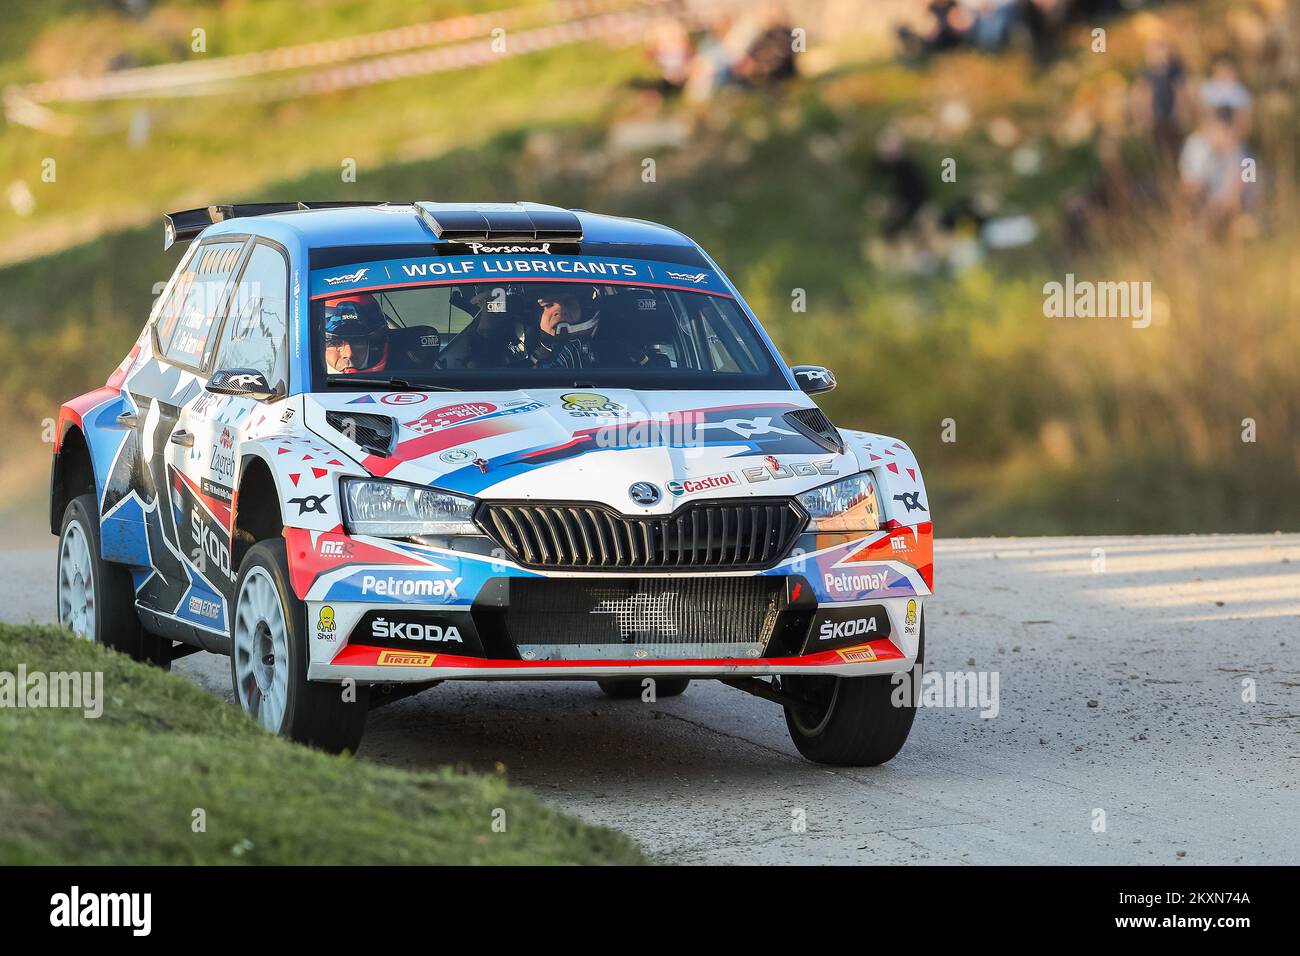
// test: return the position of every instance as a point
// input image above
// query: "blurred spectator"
(770, 55)
(1044, 22)
(669, 45)
(711, 67)
(1159, 103)
(906, 185)
(1114, 189)
(945, 27)
(752, 49)
(992, 25)
(993, 21)
(1211, 168)
(1223, 89)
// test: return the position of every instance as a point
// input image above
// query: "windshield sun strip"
(392, 286)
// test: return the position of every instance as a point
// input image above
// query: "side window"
(186, 320)
(174, 293)
(254, 333)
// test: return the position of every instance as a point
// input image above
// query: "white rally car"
(364, 448)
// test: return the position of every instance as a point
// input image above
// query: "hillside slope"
(1025, 424)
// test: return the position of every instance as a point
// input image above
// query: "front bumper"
(382, 611)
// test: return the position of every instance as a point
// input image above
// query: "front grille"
(713, 535)
(643, 617)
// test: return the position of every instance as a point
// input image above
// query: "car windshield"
(544, 333)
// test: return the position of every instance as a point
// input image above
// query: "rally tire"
(856, 722)
(629, 688)
(269, 656)
(96, 598)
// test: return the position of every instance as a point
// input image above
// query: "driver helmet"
(356, 321)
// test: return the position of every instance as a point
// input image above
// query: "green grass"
(123, 788)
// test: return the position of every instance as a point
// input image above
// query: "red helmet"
(356, 318)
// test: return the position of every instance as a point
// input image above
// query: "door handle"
(183, 438)
(128, 419)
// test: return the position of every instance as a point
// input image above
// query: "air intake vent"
(814, 423)
(702, 536)
(374, 433)
(631, 618)
(500, 222)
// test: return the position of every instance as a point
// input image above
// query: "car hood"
(569, 445)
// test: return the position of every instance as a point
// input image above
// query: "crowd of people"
(992, 25)
(747, 47)
(1180, 138)
(1194, 112)
(1203, 126)
(1180, 133)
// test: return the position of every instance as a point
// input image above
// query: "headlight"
(847, 505)
(391, 508)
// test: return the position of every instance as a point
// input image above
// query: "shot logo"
(581, 404)
(325, 625)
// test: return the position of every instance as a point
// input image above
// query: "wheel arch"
(82, 456)
(72, 474)
(257, 514)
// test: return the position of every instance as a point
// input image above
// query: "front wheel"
(851, 721)
(96, 598)
(268, 666)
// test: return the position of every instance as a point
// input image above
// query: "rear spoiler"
(185, 225)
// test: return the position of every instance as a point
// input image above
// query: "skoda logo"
(644, 493)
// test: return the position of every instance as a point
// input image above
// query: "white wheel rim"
(76, 582)
(261, 645)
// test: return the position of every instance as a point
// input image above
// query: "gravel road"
(1122, 734)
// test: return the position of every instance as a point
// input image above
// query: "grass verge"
(124, 788)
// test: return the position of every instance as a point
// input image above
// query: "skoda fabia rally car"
(362, 448)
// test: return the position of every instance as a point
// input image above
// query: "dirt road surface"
(1148, 711)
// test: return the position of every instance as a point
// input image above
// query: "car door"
(253, 336)
(181, 582)
(122, 520)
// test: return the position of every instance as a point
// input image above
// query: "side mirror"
(813, 378)
(242, 382)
